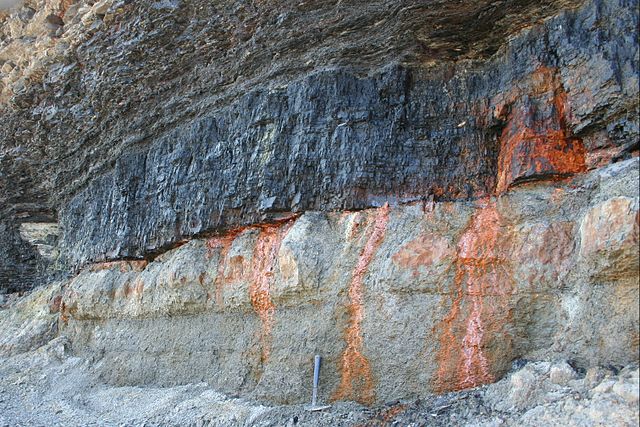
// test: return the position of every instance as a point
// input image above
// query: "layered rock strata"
(421, 194)
(401, 302)
(336, 140)
(228, 132)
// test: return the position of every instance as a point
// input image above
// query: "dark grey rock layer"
(162, 123)
(330, 141)
(19, 261)
(334, 140)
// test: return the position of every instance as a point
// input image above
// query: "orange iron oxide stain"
(224, 244)
(424, 251)
(265, 255)
(55, 304)
(138, 288)
(64, 313)
(68, 307)
(536, 142)
(134, 289)
(357, 382)
(126, 290)
(480, 273)
(64, 5)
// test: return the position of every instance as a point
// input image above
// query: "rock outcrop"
(422, 192)
(401, 302)
(137, 125)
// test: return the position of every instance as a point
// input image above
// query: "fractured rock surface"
(134, 138)
(335, 140)
(50, 386)
(400, 302)
(425, 193)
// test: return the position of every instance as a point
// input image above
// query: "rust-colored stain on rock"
(356, 378)
(424, 251)
(481, 271)
(68, 310)
(263, 264)
(64, 5)
(223, 243)
(536, 142)
(55, 304)
(138, 287)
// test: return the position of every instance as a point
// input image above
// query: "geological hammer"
(316, 381)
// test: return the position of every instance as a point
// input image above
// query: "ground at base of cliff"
(51, 387)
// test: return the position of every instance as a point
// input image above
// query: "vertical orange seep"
(223, 243)
(475, 367)
(480, 272)
(263, 264)
(357, 381)
(63, 6)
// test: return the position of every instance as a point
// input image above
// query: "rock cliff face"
(400, 301)
(422, 193)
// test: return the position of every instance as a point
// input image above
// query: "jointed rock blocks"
(138, 168)
(331, 141)
(505, 278)
(336, 140)
(420, 218)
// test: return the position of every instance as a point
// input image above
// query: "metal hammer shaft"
(316, 379)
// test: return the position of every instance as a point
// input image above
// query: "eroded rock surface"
(400, 302)
(139, 124)
(425, 193)
(50, 386)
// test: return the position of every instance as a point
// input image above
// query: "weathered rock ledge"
(142, 124)
(336, 140)
(401, 302)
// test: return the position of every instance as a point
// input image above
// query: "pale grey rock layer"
(136, 125)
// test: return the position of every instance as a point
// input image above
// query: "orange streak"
(535, 148)
(224, 244)
(64, 5)
(357, 382)
(264, 259)
(480, 272)
(424, 251)
(475, 368)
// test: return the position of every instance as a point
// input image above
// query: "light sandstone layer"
(148, 123)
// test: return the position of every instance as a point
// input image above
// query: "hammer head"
(318, 408)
